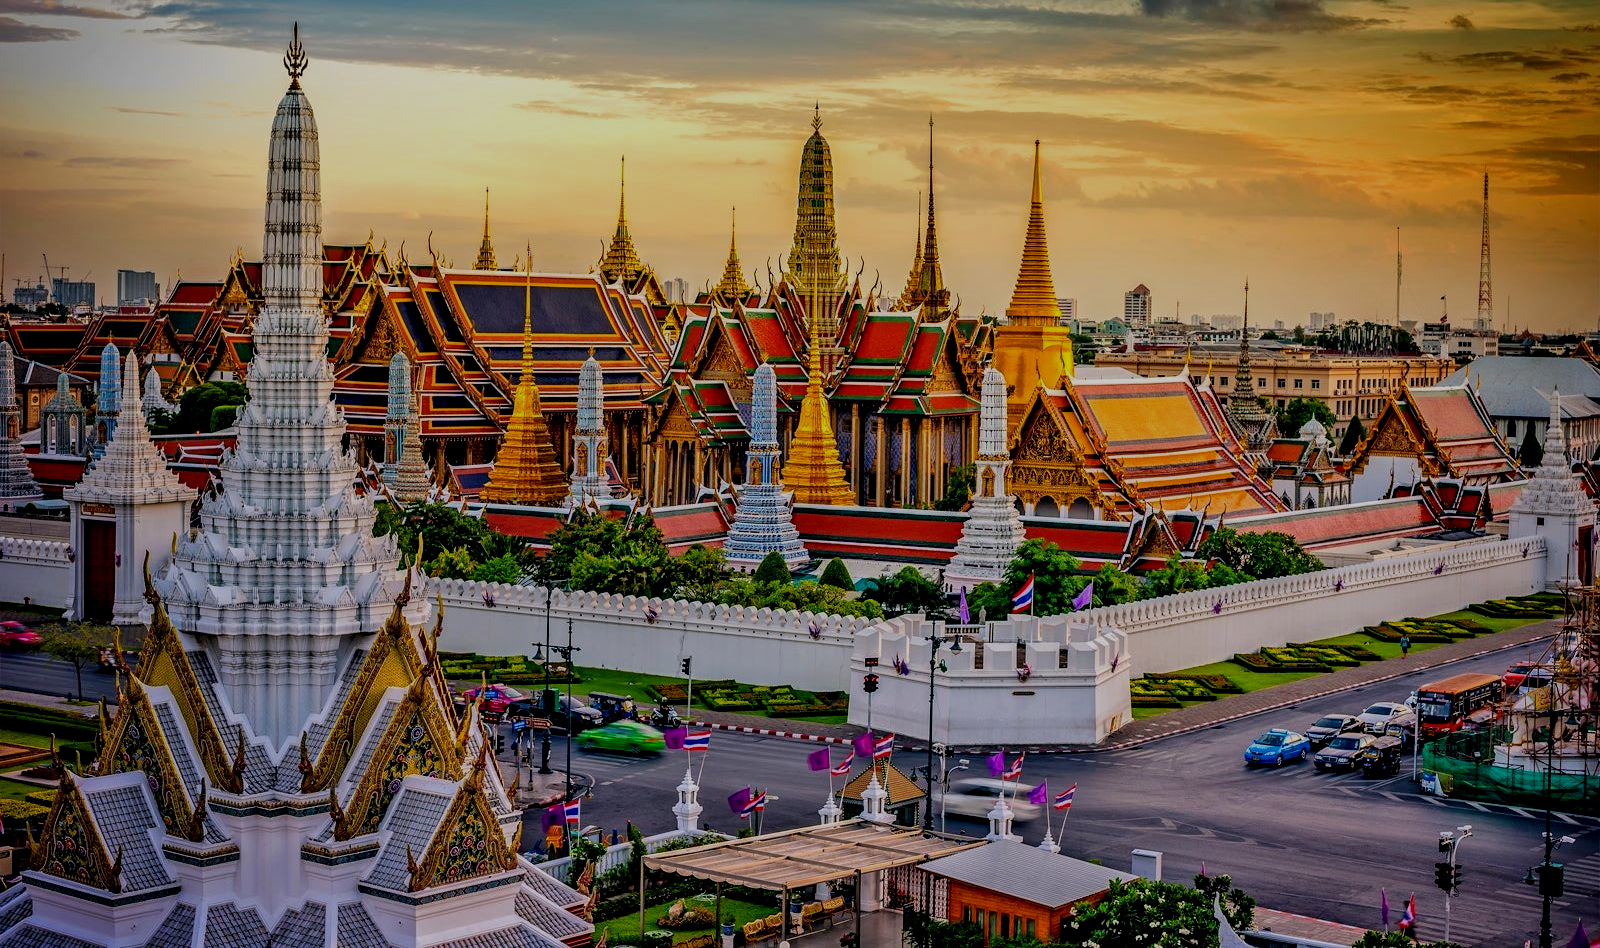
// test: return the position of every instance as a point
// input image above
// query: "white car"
(1379, 717)
(974, 797)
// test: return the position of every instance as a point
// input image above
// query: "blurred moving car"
(1522, 676)
(1340, 753)
(1378, 717)
(496, 699)
(974, 797)
(1276, 747)
(564, 713)
(1330, 726)
(14, 634)
(629, 737)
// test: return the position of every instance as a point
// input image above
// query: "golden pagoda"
(813, 472)
(486, 249)
(931, 293)
(525, 469)
(813, 267)
(621, 263)
(1032, 348)
(733, 286)
(908, 296)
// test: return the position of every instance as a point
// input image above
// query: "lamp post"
(1549, 876)
(566, 656)
(544, 694)
(935, 643)
(945, 773)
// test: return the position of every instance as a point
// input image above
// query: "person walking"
(1405, 645)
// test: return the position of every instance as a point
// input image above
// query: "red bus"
(1451, 703)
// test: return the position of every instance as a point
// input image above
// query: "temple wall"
(1212, 625)
(38, 570)
(756, 646)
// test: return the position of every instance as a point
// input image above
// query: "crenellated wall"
(757, 646)
(39, 570)
(1212, 625)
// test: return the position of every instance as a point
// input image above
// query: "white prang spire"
(131, 469)
(993, 531)
(590, 482)
(763, 521)
(17, 486)
(284, 576)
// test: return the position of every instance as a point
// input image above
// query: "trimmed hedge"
(1219, 684)
(31, 719)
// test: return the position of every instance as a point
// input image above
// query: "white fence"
(561, 869)
(1212, 625)
(39, 571)
(757, 646)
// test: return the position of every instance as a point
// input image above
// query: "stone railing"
(561, 869)
(1424, 563)
(28, 550)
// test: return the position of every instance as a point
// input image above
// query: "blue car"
(1277, 746)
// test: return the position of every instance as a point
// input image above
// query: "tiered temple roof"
(1449, 431)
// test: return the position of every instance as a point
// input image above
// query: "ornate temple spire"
(404, 470)
(1034, 299)
(17, 485)
(486, 249)
(108, 400)
(590, 480)
(621, 262)
(813, 267)
(1246, 406)
(931, 291)
(762, 520)
(908, 296)
(152, 393)
(733, 285)
(993, 529)
(525, 468)
(813, 472)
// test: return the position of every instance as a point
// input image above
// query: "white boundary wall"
(1212, 625)
(755, 646)
(37, 569)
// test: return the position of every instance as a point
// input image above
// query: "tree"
(773, 569)
(1353, 436)
(837, 575)
(451, 564)
(199, 404)
(1398, 940)
(1258, 555)
(1144, 912)
(1112, 586)
(908, 591)
(695, 573)
(1531, 454)
(958, 486)
(77, 644)
(1054, 572)
(501, 569)
(1293, 416)
(588, 531)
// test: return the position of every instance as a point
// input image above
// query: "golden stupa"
(525, 469)
(813, 472)
(1032, 348)
(733, 285)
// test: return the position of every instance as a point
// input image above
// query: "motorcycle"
(665, 719)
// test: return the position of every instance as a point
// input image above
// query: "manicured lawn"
(625, 930)
(23, 738)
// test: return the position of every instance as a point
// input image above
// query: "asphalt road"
(1319, 844)
(37, 672)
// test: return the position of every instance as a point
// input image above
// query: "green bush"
(1155, 701)
(837, 575)
(1359, 654)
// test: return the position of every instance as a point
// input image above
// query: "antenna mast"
(1485, 291)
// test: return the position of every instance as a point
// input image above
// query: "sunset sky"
(1189, 144)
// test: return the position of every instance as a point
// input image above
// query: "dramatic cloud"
(1538, 60)
(1267, 16)
(13, 30)
(126, 162)
(1558, 165)
(52, 8)
(1460, 22)
(126, 110)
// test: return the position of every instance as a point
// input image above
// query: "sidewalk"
(53, 702)
(1200, 716)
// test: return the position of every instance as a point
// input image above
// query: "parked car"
(1340, 753)
(626, 736)
(1524, 676)
(1378, 717)
(14, 634)
(974, 797)
(496, 698)
(1330, 726)
(1276, 747)
(566, 714)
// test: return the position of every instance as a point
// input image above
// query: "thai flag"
(1023, 600)
(572, 813)
(1408, 919)
(1064, 798)
(697, 741)
(883, 746)
(843, 770)
(755, 804)
(1016, 768)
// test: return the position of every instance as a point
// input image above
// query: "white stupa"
(284, 766)
(763, 521)
(993, 530)
(590, 483)
(17, 486)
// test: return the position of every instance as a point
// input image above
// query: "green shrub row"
(31, 719)
(1218, 684)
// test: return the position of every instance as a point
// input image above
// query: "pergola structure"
(802, 857)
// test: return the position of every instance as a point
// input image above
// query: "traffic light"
(686, 664)
(1552, 880)
(1443, 877)
(499, 743)
(1455, 878)
(870, 683)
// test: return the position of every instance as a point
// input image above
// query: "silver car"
(974, 797)
(1378, 717)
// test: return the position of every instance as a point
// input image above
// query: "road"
(1319, 844)
(37, 672)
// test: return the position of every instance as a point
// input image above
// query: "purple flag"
(674, 737)
(1040, 794)
(738, 800)
(1383, 910)
(818, 760)
(997, 763)
(1084, 599)
(863, 745)
(552, 816)
(966, 614)
(1580, 938)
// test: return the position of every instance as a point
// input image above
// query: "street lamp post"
(566, 656)
(1549, 876)
(935, 642)
(945, 772)
(544, 694)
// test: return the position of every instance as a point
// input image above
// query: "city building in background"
(1136, 307)
(72, 293)
(137, 286)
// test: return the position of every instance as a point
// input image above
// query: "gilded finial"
(295, 60)
(816, 116)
